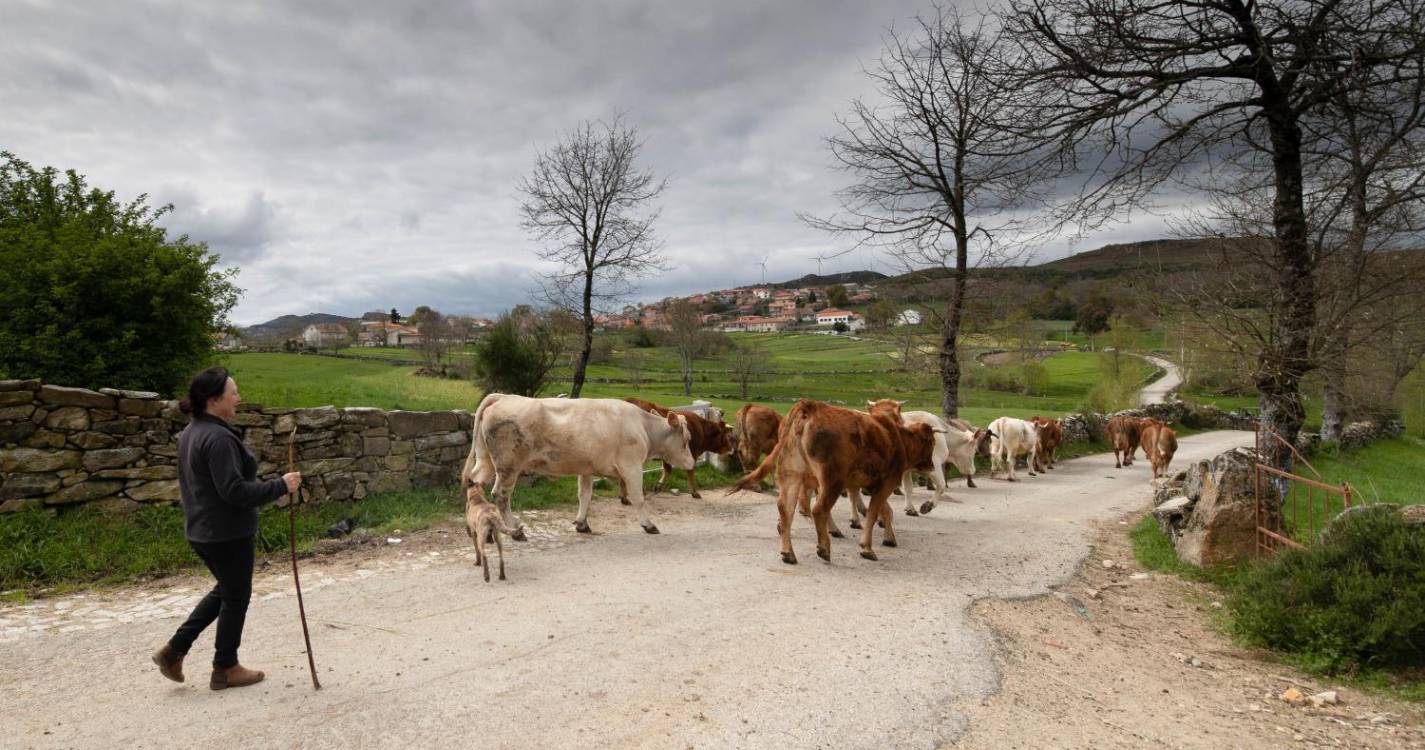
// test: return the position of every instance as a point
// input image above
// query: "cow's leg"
(858, 509)
(821, 515)
(586, 494)
(480, 558)
(888, 537)
(804, 502)
(878, 510)
(634, 476)
(663, 478)
(1117, 464)
(1011, 460)
(623, 493)
(1033, 461)
(505, 488)
(906, 484)
(788, 491)
(500, 548)
(937, 480)
(692, 482)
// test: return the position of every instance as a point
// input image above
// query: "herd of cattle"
(816, 453)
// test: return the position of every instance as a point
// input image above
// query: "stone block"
(364, 416)
(121, 393)
(71, 418)
(19, 385)
(172, 413)
(18, 432)
(31, 461)
(102, 415)
(90, 441)
(323, 466)
(435, 442)
(19, 504)
(137, 408)
(117, 506)
(61, 396)
(16, 413)
(376, 432)
(303, 438)
(376, 446)
(418, 423)
(124, 426)
(169, 451)
(14, 398)
(402, 447)
(73, 479)
(85, 491)
(340, 486)
(28, 485)
(320, 418)
(162, 471)
(150, 492)
(398, 463)
(349, 444)
(111, 459)
(390, 482)
(256, 436)
(249, 419)
(45, 439)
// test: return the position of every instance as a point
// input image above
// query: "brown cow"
(757, 428)
(830, 449)
(704, 436)
(1159, 444)
(1124, 433)
(1051, 436)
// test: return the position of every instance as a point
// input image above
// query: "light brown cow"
(1159, 443)
(704, 436)
(757, 428)
(830, 449)
(1051, 436)
(1124, 433)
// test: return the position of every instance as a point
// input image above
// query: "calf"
(483, 522)
(757, 428)
(1013, 438)
(704, 436)
(1124, 433)
(1051, 435)
(584, 437)
(828, 449)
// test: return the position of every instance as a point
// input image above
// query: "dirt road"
(1157, 391)
(698, 637)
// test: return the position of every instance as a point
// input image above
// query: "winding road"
(698, 637)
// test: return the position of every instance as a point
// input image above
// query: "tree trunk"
(687, 375)
(587, 347)
(950, 334)
(1288, 357)
(1334, 411)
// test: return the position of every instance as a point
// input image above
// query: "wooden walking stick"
(292, 537)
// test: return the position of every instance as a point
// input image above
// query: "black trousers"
(231, 563)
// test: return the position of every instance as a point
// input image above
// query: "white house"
(831, 316)
(908, 317)
(321, 335)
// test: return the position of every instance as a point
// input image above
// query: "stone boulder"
(1210, 514)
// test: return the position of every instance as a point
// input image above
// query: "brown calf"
(704, 436)
(1124, 433)
(757, 428)
(1159, 444)
(1051, 436)
(830, 449)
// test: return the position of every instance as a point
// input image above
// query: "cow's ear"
(902, 403)
(672, 419)
(870, 404)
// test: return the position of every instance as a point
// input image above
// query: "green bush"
(1354, 601)
(1035, 376)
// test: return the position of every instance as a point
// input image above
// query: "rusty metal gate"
(1290, 507)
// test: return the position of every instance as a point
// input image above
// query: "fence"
(1289, 507)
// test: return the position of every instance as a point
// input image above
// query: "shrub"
(1036, 377)
(1355, 600)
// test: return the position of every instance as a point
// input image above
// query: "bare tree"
(685, 328)
(938, 173)
(592, 206)
(634, 363)
(749, 363)
(1150, 92)
(435, 334)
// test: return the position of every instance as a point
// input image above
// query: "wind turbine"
(764, 269)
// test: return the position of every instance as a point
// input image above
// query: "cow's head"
(983, 438)
(671, 444)
(919, 441)
(719, 438)
(888, 406)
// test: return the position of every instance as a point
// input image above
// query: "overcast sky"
(355, 155)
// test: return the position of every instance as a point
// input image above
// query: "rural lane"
(1157, 391)
(698, 637)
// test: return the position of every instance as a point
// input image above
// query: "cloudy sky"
(355, 155)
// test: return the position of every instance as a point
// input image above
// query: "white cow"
(563, 437)
(1012, 438)
(953, 445)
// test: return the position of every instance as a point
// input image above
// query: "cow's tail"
(785, 436)
(478, 448)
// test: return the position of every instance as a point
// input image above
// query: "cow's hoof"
(502, 575)
(1011, 479)
(650, 529)
(926, 507)
(969, 481)
(583, 527)
(855, 524)
(888, 542)
(869, 555)
(896, 492)
(1032, 474)
(789, 558)
(837, 533)
(823, 553)
(519, 535)
(911, 512)
(696, 496)
(624, 501)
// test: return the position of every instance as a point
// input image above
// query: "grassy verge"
(44, 553)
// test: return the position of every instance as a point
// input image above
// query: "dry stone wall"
(67, 446)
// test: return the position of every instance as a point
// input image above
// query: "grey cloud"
(237, 232)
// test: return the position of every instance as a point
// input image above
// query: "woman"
(217, 478)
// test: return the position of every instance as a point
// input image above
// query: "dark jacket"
(217, 477)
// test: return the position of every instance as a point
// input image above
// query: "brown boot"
(170, 663)
(235, 676)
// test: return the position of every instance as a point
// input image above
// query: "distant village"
(756, 309)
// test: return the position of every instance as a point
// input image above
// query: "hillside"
(1158, 254)
(292, 324)
(847, 277)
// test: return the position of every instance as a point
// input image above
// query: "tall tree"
(937, 170)
(1151, 92)
(685, 331)
(749, 362)
(93, 291)
(592, 206)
